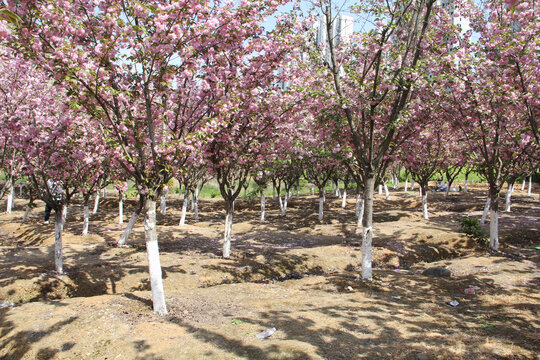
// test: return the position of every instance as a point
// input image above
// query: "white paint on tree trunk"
(486, 211)
(285, 202)
(508, 199)
(386, 193)
(152, 251)
(163, 205)
(312, 190)
(360, 216)
(64, 214)
(263, 206)
(321, 207)
(297, 191)
(10, 196)
(380, 189)
(229, 213)
(357, 204)
(344, 199)
(120, 208)
(465, 185)
(406, 183)
(412, 184)
(27, 211)
(104, 193)
(367, 240)
(96, 203)
(58, 228)
(86, 219)
(196, 203)
(523, 184)
(129, 228)
(529, 190)
(494, 230)
(424, 206)
(184, 208)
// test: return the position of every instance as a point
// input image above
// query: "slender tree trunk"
(486, 210)
(64, 213)
(386, 193)
(412, 184)
(263, 206)
(494, 221)
(285, 203)
(523, 184)
(152, 251)
(321, 207)
(424, 201)
(229, 213)
(184, 208)
(273, 191)
(344, 199)
(332, 186)
(196, 203)
(281, 205)
(10, 195)
(380, 189)
(406, 183)
(104, 192)
(508, 198)
(297, 191)
(96, 203)
(27, 210)
(131, 223)
(357, 204)
(86, 218)
(367, 233)
(465, 189)
(120, 208)
(163, 204)
(529, 190)
(58, 228)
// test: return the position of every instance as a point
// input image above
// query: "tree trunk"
(152, 251)
(321, 207)
(466, 183)
(120, 208)
(273, 191)
(10, 196)
(386, 193)
(27, 210)
(58, 228)
(367, 233)
(332, 186)
(184, 208)
(104, 192)
(312, 190)
(344, 199)
(96, 203)
(508, 198)
(486, 210)
(412, 184)
(406, 183)
(523, 184)
(357, 205)
(263, 206)
(494, 221)
(530, 186)
(229, 212)
(380, 189)
(424, 201)
(131, 223)
(285, 202)
(196, 203)
(297, 191)
(163, 204)
(86, 218)
(359, 215)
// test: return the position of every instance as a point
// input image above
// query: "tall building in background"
(342, 28)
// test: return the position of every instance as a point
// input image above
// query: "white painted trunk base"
(27, 212)
(10, 198)
(344, 199)
(154, 265)
(386, 193)
(523, 185)
(121, 208)
(357, 204)
(424, 206)
(58, 228)
(129, 228)
(486, 211)
(229, 214)
(412, 184)
(406, 184)
(465, 185)
(380, 189)
(508, 199)
(263, 206)
(529, 190)
(96, 203)
(163, 205)
(184, 209)
(86, 219)
(494, 230)
(321, 208)
(367, 240)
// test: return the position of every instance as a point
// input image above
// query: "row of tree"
(116, 90)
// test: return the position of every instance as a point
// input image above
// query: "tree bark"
(27, 210)
(131, 223)
(424, 202)
(152, 251)
(344, 199)
(486, 210)
(58, 228)
(263, 206)
(10, 196)
(523, 184)
(412, 184)
(196, 203)
(321, 207)
(465, 189)
(96, 203)
(380, 189)
(529, 190)
(86, 218)
(494, 220)
(386, 193)
(184, 208)
(163, 204)
(120, 208)
(406, 183)
(229, 212)
(367, 233)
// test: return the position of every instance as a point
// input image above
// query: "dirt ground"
(292, 273)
